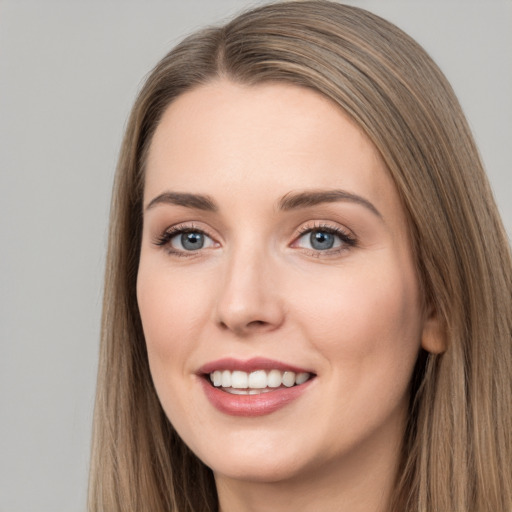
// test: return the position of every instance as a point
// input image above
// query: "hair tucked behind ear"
(457, 449)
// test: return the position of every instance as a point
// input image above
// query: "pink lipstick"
(254, 387)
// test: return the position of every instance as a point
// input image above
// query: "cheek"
(171, 311)
(367, 324)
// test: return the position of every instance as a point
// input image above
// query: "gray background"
(69, 72)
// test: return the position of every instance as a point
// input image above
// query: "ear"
(433, 337)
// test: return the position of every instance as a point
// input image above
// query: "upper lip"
(249, 365)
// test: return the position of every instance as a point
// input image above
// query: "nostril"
(223, 326)
(245, 329)
(256, 323)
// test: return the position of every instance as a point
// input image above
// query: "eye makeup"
(184, 240)
(317, 239)
(322, 239)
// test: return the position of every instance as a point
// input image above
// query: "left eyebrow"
(293, 201)
(197, 201)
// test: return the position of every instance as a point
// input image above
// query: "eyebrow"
(196, 201)
(290, 201)
(293, 201)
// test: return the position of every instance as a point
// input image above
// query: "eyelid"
(346, 236)
(163, 239)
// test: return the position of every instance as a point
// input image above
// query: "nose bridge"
(248, 298)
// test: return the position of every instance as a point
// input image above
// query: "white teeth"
(226, 379)
(216, 378)
(258, 379)
(234, 391)
(243, 383)
(300, 378)
(274, 378)
(289, 379)
(239, 380)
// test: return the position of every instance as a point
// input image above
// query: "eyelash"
(348, 241)
(164, 239)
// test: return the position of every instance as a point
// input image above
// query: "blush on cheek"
(376, 318)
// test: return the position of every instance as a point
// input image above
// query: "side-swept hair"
(457, 448)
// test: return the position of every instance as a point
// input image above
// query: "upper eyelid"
(163, 239)
(187, 227)
(346, 235)
(171, 231)
(300, 230)
(327, 225)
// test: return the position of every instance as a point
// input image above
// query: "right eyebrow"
(308, 198)
(197, 201)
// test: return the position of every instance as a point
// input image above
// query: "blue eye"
(190, 241)
(324, 239)
(180, 240)
(321, 241)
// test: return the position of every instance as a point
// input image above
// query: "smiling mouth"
(238, 382)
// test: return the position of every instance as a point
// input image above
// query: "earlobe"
(433, 338)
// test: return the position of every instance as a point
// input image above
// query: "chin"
(268, 458)
(258, 471)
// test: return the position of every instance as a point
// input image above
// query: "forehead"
(264, 141)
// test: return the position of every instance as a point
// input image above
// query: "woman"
(308, 294)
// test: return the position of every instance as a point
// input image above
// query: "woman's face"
(275, 255)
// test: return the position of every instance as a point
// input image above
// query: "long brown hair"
(457, 447)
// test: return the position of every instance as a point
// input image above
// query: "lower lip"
(252, 405)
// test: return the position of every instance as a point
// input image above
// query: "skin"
(351, 315)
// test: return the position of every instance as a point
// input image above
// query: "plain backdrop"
(69, 71)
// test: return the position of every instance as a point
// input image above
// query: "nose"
(249, 300)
